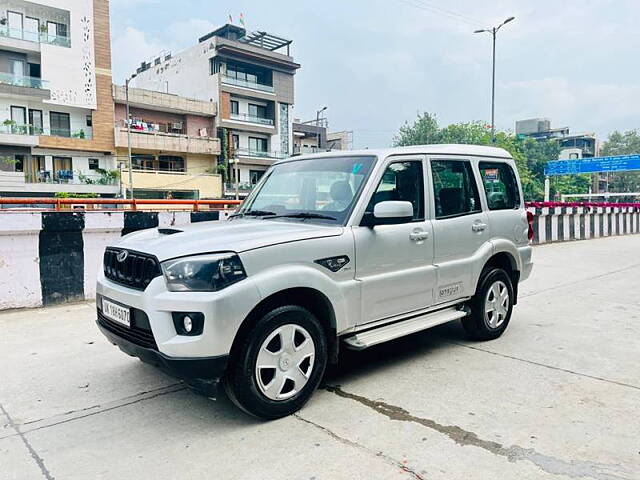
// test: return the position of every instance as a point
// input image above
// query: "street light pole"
(318, 127)
(493, 31)
(126, 89)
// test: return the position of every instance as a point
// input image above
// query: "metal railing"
(68, 133)
(582, 204)
(23, 81)
(36, 37)
(245, 117)
(247, 84)
(70, 177)
(133, 204)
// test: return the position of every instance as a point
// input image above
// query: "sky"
(376, 64)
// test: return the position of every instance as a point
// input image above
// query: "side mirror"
(390, 212)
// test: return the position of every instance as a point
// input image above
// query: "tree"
(627, 143)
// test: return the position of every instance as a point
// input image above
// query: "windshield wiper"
(253, 213)
(306, 215)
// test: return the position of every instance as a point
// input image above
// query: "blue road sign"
(621, 163)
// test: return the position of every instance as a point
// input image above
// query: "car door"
(460, 226)
(393, 262)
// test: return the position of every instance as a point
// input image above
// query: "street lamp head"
(508, 20)
(480, 31)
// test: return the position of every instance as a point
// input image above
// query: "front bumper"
(202, 374)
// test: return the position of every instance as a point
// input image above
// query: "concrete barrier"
(562, 224)
(48, 258)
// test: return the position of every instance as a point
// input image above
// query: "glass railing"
(23, 81)
(73, 177)
(16, 129)
(68, 133)
(251, 118)
(37, 37)
(246, 152)
(246, 84)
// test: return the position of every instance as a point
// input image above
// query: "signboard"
(621, 163)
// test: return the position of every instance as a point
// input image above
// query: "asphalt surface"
(558, 396)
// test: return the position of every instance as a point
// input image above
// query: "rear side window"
(454, 188)
(500, 186)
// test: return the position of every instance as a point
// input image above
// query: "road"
(557, 397)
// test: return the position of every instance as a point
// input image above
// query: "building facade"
(251, 80)
(174, 147)
(56, 106)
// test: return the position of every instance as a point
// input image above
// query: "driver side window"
(402, 181)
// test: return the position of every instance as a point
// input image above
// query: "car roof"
(434, 149)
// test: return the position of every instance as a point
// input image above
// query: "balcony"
(34, 37)
(23, 81)
(244, 117)
(237, 82)
(68, 133)
(21, 135)
(59, 181)
(244, 152)
(167, 142)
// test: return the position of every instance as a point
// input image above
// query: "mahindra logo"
(122, 256)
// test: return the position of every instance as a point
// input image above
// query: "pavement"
(556, 397)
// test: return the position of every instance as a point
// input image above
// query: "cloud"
(129, 49)
(186, 33)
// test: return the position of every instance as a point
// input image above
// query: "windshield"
(318, 189)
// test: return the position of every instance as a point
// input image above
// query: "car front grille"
(136, 270)
(135, 334)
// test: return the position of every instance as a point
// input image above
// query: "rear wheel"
(279, 363)
(491, 307)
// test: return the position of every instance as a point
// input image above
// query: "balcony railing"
(70, 177)
(15, 129)
(247, 84)
(251, 118)
(36, 37)
(245, 152)
(23, 81)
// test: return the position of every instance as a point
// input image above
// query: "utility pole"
(493, 31)
(318, 136)
(126, 89)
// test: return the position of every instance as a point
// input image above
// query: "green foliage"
(627, 143)
(75, 195)
(530, 155)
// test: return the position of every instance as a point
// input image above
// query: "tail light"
(530, 222)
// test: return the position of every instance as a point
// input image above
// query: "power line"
(423, 5)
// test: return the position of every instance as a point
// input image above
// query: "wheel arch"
(310, 298)
(507, 262)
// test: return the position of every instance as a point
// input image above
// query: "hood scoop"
(168, 231)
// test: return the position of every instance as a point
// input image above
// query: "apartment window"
(235, 107)
(255, 176)
(235, 141)
(454, 188)
(142, 162)
(259, 111)
(15, 24)
(35, 122)
(500, 186)
(19, 159)
(94, 164)
(18, 116)
(258, 144)
(62, 169)
(60, 124)
(248, 73)
(31, 29)
(169, 163)
(89, 121)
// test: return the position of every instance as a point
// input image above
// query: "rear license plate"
(116, 312)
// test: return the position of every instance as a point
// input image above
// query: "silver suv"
(347, 249)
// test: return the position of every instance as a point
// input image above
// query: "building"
(56, 108)
(250, 75)
(313, 136)
(174, 147)
(582, 145)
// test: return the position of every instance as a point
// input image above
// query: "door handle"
(418, 236)
(478, 227)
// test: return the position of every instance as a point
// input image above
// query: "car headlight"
(203, 273)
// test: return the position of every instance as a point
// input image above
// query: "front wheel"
(491, 307)
(279, 363)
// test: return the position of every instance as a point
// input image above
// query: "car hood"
(219, 236)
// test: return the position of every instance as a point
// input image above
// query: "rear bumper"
(202, 374)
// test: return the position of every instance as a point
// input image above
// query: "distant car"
(335, 250)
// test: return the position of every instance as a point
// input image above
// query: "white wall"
(72, 71)
(19, 260)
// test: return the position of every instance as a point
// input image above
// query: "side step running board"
(367, 339)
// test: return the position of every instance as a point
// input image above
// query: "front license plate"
(116, 312)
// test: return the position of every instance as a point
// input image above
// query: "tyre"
(278, 364)
(491, 306)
